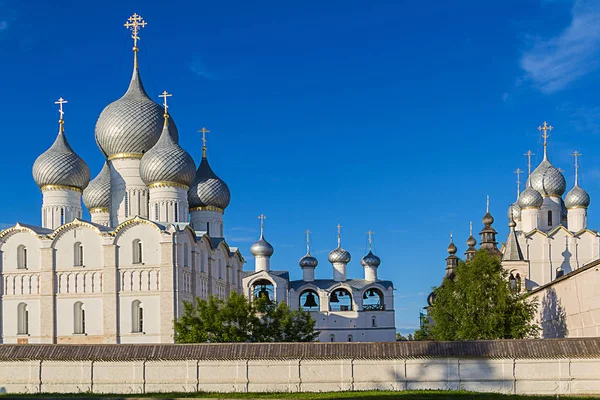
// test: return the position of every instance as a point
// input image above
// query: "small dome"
(487, 219)
(208, 190)
(530, 198)
(370, 260)
(512, 223)
(452, 248)
(548, 180)
(97, 193)
(308, 261)
(131, 124)
(59, 165)
(167, 161)
(514, 212)
(261, 248)
(471, 242)
(339, 255)
(577, 198)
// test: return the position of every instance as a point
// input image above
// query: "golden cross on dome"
(370, 233)
(339, 228)
(545, 128)
(307, 232)
(262, 218)
(204, 131)
(135, 23)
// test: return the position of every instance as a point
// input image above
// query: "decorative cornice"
(529, 208)
(60, 187)
(581, 207)
(207, 208)
(125, 155)
(99, 210)
(162, 184)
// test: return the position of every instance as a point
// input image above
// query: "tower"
(308, 263)
(61, 175)
(577, 202)
(488, 233)
(530, 201)
(370, 262)
(208, 197)
(471, 242)
(339, 258)
(167, 170)
(261, 249)
(452, 259)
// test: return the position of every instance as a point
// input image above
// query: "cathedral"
(549, 252)
(155, 240)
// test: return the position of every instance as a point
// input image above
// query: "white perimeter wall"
(522, 376)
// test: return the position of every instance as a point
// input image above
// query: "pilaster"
(47, 297)
(169, 291)
(110, 295)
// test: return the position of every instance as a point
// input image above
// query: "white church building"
(155, 239)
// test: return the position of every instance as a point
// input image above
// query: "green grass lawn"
(374, 395)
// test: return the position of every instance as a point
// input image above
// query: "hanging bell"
(334, 298)
(264, 293)
(371, 293)
(310, 301)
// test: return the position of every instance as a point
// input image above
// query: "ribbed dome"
(261, 248)
(97, 194)
(370, 260)
(514, 211)
(59, 165)
(577, 198)
(308, 261)
(530, 198)
(471, 242)
(132, 124)
(548, 180)
(339, 255)
(208, 190)
(452, 248)
(167, 161)
(487, 219)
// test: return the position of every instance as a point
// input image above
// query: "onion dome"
(208, 190)
(97, 194)
(487, 219)
(167, 162)
(548, 180)
(60, 166)
(370, 260)
(339, 255)
(308, 261)
(471, 242)
(514, 211)
(261, 248)
(577, 198)
(132, 124)
(530, 198)
(452, 248)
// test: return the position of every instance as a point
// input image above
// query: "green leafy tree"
(400, 337)
(424, 332)
(239, 320)
(479, 303)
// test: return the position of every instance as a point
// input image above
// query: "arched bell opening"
(309, 300)
(340, 300)
(373, 300)
(263, 288)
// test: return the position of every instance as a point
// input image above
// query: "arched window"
(201, 261)
(137, 251)
(21, 257)
(373, 321)
(349, 338)
(185, 255)
(137, 317)
(340, 300)
(78, 254)
(22, 319)
(176, 209)
(549, 217)
(332, 338)
(126, 205)
(220, 269)
(265, 289)
(78, 318)
(309, 300)
(156, 213)
(373, 300)
(62, 216)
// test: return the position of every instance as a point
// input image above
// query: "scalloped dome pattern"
(97, 194)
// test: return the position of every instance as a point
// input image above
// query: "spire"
(545, 128)
(518, 171)
(512, 249)
(204, 131)
(576, 154)
(165, 95)
(488, 233)
(135, 23)
(61, 120)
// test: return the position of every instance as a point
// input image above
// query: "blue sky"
(394, 116)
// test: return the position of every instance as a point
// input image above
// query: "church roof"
(327, 283)
(512, 249)
(281, 274)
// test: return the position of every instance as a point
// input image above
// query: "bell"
(263, 293)
(334, 298)
(310, 300)
(371, 293)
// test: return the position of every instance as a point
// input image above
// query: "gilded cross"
(135, 23)
(204, 131)
(60, 103)
(370, 234)
(576, 154)
(164, 95)
(307, 232)
(262, 218)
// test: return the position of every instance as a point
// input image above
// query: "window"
(78, 254)
(332, 338)
(340, 300)
(78, 318)
(176, 213)
(185, 254)
(126, 205)
(62, 216)
(373, 321)
(21, 257)
(22, 319)
(137, 251)
(220, 269)
(349, 338)
(156, 212)
(549, 217)
(201, 261)
(309, 300)
(137, 317)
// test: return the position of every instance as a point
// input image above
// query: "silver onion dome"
(208, 190)
(452, 248)
(548, 180)
(167, 162)
(339, 255)
(131, 124)
(487, 219)
(59, 165)
(97, 194)
(530, 198)
(308, 261)
(471, 242)
(514, 211)
(577, 198)
(370, 260)
(261, 248)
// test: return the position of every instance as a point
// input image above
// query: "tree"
(400, 337)
(424, 332)
(479, 303)
(239, 320)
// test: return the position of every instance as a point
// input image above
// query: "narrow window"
(62, 216)
(126, 205)
(22, 319)
(332, 338)
(45, 219)
(349, 338)
(78, 318)
(137, 317)
(201, 261)
(185, 254)
(220, 269)
(137, 251)
(78, 254)
(156, 212)
(21, 257)
(373, 321)
(549, 217)
(176, 213)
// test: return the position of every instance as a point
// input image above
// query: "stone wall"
(567, 366)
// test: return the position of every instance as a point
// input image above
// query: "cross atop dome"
(164, 96)
(262, 218)
(370, 234)
(307, 232)
(61, 120)
(576, 154)
(545, 128)
(204, 131)
(135, 23)
(518, 171)
(339, 229)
